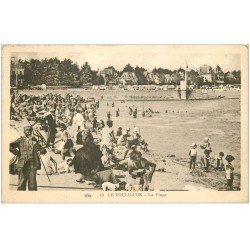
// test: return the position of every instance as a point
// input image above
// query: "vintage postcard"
(124, 123)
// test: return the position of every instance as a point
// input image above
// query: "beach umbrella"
(14, 135)
(12, 158)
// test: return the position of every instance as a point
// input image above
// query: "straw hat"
(136, 129)
(206, 139)
(42, 112)
(46, 113)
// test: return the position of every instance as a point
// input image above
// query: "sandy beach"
(169, 133)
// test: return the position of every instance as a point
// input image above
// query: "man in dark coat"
(94, 124)
(50, 120)
(28, 161)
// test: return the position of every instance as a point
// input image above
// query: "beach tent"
(14, 137)
(43, 86)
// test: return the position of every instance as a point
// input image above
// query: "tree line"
(55, 72)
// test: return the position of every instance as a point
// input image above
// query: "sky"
(119, 56)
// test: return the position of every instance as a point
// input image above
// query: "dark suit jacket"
(32, 157)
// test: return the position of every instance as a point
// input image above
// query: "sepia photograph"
(125, 123)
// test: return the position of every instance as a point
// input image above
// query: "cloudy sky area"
(99, 59)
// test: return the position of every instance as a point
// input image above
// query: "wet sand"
(185, 122)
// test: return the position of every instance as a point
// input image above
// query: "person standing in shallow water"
(130, 110)
(135, 113)
(109, 115)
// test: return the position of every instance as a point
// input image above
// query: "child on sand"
(207, 160)
(206, 145)
(193, 155)
(220, 163)
(47, 162)
(229, 172)
(66, 166)
(119, 132)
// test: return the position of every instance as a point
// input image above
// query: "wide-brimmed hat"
(46, 113)
(229, 158)
(63, 125)
(193, 145)
(136, 129)
(68, 158)
(206, 139)
(42, 112)
(27, 128)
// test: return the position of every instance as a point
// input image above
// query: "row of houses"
(211, 75)
(206, 72)
(130, 78)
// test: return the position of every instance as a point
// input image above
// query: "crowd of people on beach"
(68, 126)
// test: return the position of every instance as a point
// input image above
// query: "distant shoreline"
(144, 95)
